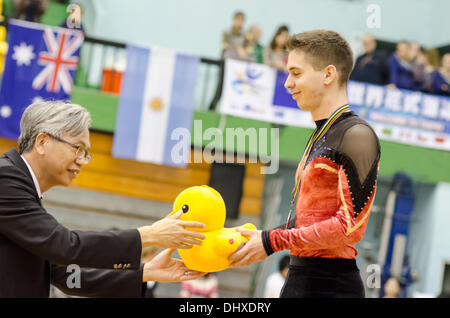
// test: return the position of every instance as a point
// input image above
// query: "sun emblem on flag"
(58, 61)
(156, 103)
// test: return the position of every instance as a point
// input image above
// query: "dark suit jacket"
(401, 76)
(371, 68)
(35, 249)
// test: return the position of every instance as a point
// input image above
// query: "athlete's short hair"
(323, 48)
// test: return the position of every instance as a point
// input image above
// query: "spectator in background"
(74, 20)
(275, 54)
(371, 67)
(400, 68)
(433, 58)
(233, 39)
(392, 288)
(252, 46)
(420, 67)
(414, 50)
(30, 10)
(276, 280)
(440, 78)
(203, 287)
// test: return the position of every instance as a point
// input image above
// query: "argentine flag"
(157, 97)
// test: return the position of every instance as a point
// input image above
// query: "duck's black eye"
(185, 208)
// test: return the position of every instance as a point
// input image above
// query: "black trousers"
(315, 277)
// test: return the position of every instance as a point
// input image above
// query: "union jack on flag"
(40, 65)
(58, 61)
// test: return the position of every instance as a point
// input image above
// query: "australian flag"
(40, 65)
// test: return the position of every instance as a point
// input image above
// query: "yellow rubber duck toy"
(204, 204)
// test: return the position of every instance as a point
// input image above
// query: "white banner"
(257, 91)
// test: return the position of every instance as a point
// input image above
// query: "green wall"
(422, 164)
(54, 15)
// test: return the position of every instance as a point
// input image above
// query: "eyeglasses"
(81, 153)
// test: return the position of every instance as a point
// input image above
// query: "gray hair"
(55, 118)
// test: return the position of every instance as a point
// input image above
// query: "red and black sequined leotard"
(335, 196)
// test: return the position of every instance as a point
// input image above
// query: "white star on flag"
(23, 54)
(37, 99)
(5, 111)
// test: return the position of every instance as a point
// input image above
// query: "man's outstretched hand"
(171, 232)
(165, 269)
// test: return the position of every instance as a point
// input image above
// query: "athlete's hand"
(253, 251)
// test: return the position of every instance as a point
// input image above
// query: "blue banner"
(257, 91)
(404, 116)
(40, 65)
(282, 97)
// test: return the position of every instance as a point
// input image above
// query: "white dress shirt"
(36, 183)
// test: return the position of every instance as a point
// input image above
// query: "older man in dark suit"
(372, 66)
(35, 250)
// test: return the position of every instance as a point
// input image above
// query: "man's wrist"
(146, 236)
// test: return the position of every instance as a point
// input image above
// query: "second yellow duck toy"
(204, 204)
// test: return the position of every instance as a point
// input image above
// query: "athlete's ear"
(329, 74)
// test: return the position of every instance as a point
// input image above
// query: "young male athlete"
(335, 182)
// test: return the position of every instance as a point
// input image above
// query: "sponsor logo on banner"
(247, 89)
(257, 91)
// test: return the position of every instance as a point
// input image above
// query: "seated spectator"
(371, 67)
(30, 10)
(252, 46)
(440, 78)
(400, 69)
(233, 39)
(74, 20)
(203, 287)
(275, 54)
(392, 288)
(275, 281)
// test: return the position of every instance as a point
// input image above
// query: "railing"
(102, 64)
(98, 55)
